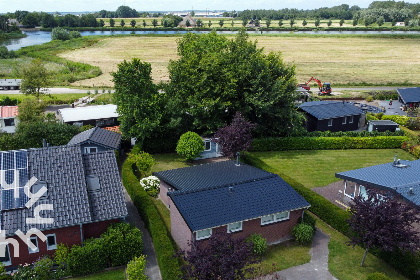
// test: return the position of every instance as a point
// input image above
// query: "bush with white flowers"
(151, 185)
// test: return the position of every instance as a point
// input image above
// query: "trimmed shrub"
(90, 258)
(377, 276)
(303, 233)
(61, 256)
(143, 161)
(190, 145)
(369, 98)
(122, 242)
(169, 266)
(259, 243)
(327, 143)
(135, 268)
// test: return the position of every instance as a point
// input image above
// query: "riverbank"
(5, 36)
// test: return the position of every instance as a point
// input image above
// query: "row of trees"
(214, 78)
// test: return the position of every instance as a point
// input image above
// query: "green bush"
(4, 53)
(169, 266)
(369, 98)
(327, 143)
(363, 133)
(135, 268)
(190, 145)
(259, 244)
(42, 268)
(401, 120)
(309, 220)
(122, 242)
(74, 34)
(60, 33)
(303, 233)
(377, 276)
(61, 256)
(143, 161)
(90, 258)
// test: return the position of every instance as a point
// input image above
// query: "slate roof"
(388, 177)
(409, 95)
(99, 136)
(65, 170)
(330, 109)
(211, 175)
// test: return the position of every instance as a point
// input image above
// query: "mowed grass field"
(341, 60)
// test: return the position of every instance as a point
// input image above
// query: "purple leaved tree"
(219, 257)
(236, 137)
(383, 222)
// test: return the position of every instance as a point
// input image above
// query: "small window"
(267, 219)
(344, 120)
(207, 145)
(51, 242)
(282, 216)
(89, 150)
(349, 190)
(33, 240)
(203, 234)
(330, 122)
(9, 122)
(235, 227)
(351, 119)
(6, 260)
(363, 192)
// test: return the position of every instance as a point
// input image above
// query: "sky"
(169, 5)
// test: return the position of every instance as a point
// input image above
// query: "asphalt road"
(366, 88)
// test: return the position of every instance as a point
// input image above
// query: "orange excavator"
(323, 88)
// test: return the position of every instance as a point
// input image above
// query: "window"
(330, 122)
(234, 227)
(203, 234)
(275, 218)
(9, 122)
(51, 242)
(207, 145)
(6, 260)
(93, 184)
(89, 150)
(33, 240)
(349, 190)
(344, 120)
(363, 192)
(351, 119)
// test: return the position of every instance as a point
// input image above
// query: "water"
(41, 37)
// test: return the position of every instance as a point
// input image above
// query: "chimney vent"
(411, 191)
(230, 189)
(237, 159)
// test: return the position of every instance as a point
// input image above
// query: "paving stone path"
(316, 269)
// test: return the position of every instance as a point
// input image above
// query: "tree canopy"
(35, 79)
(383, 222)
(137, 98)
(216, 77)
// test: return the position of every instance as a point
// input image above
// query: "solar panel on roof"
(13, 178)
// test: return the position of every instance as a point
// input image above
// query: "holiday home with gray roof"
(226, 196)
(83, 196)
(97, 140)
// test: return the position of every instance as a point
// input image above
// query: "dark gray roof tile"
(97, 135)
(330, 109)
(409, 95)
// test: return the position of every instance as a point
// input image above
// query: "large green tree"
(215, 77)
(139, 104)
(35, 79)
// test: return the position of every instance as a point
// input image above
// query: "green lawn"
(344, 261)
(317, 168)
(116, 274)
(52, 99)
(168, 161)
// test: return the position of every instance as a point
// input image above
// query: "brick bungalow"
(225, 196)
(84, 190)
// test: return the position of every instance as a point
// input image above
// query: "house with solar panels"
(97, 140)
(409, 97)
(77, 197)
(226, 196)
(399, 178)
(332, 115)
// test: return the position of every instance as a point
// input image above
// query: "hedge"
(326, 143)
(412, 135)
(406, 263)
(169, 266)
(320, 206)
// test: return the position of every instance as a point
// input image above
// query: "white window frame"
(351, 119)
(87, 150)
(203, 237)
(35, 243)
(229, 230)
(344, 120)
(205, 142)
(51, 247)
(354, 193)
(274, 218)
(330, 122)
(8, 251)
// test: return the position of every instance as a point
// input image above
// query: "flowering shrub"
(151, 185)
(135, 268)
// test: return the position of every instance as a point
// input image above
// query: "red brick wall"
(69, 235)
(275, 232)
(179, 229)
(163, 193)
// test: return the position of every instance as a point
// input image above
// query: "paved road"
(316, 269)
(365, 88)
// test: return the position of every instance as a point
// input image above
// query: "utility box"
(383, 125)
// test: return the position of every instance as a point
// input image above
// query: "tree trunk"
(364, 257)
